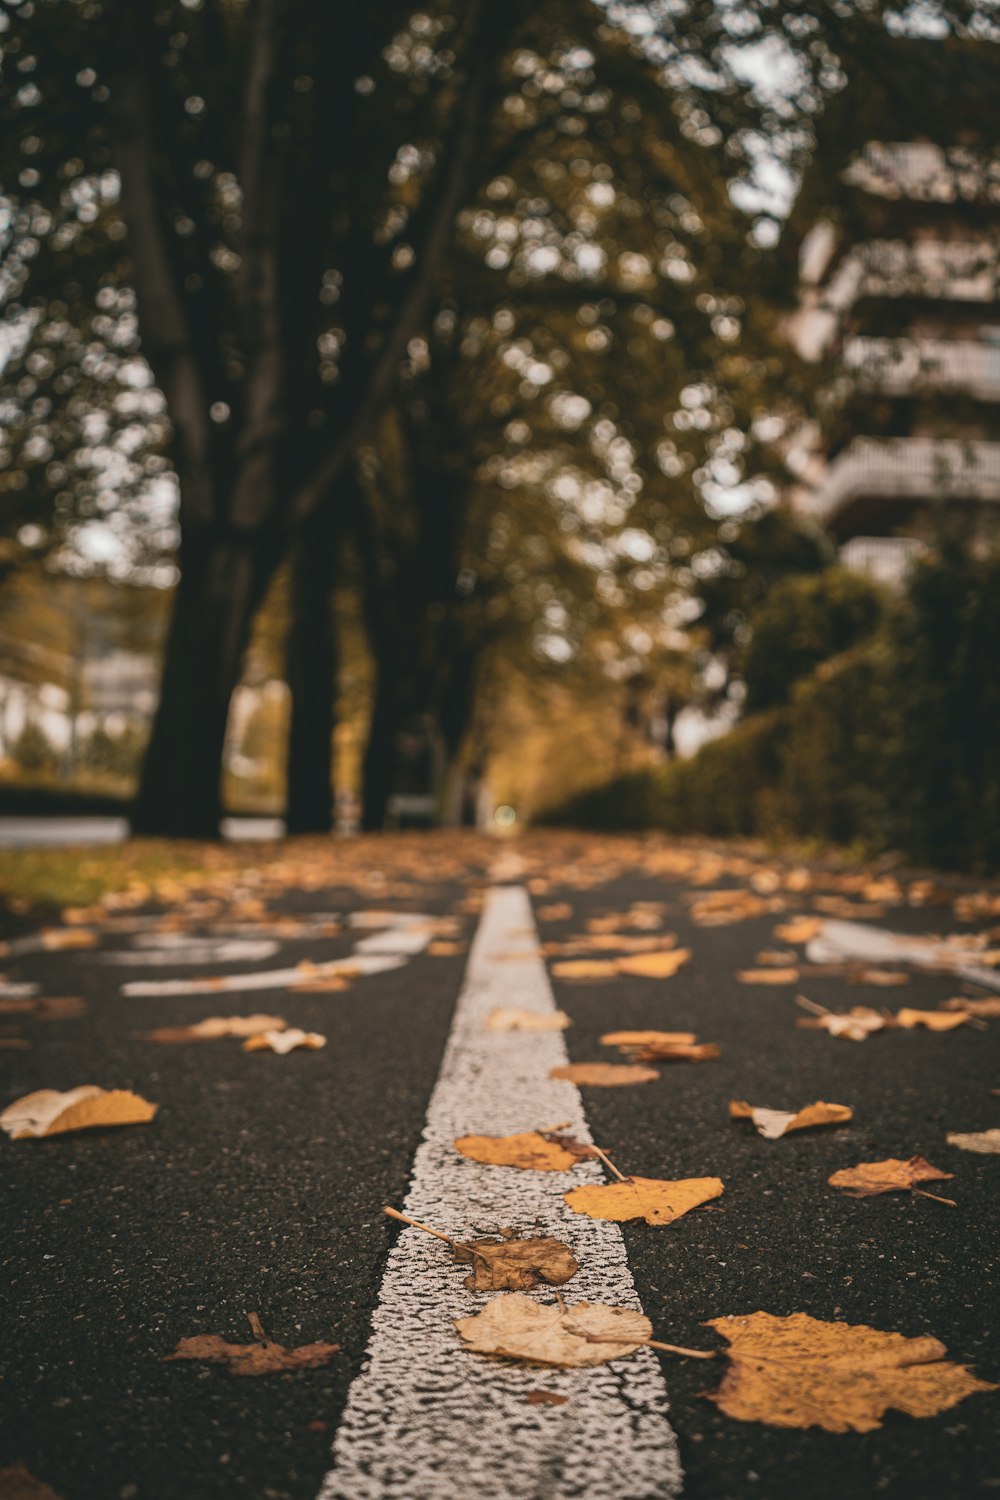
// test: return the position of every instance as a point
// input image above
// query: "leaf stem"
(605, 1158)
(813, 1005)
(394, 1213)
(922, 1193)
(679, 1349)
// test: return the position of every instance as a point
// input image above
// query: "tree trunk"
(311, 676)
(380, 750)
(223, 579)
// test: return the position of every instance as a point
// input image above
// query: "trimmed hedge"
(894, 745)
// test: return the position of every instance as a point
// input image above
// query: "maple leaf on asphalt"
(604, 1075)
(990, 1006)
(585, 968)
(799, 929)
(532, 1150)
(48, 1112)
(986, 1142)
(586, 1333)
(661, 964)
(767, 976)
(894, 1175)
(931, 1020)
(800, 1372)
(773, 1123)
(283, 1042)
(263, 1357)
(855, 1025)
(657, 1200)
(661, 1050)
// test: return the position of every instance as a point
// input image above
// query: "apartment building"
(898, 314)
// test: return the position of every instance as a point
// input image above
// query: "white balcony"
(901, 366)
(911, 469)
(883, 559)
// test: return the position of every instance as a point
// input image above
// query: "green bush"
(805, 621)
(892, 745)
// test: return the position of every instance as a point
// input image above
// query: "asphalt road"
(260, 1185)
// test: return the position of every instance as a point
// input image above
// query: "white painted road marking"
(423, 1420)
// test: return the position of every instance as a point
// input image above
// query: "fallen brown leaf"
(776, 958)
(605, 1075)
(773, 1123)
(515, 1265)
(799, 929)
(45, 1007)
(870, 1178)
(767, 976)
(531, 1150)
(990, 1006)
(586, 1333)
(444, 948)
(284, 1041)
(216, 1026)
(932, 1020)
(515, 1019)
(883, 978)
(660, 964)
(647, 1038)
(656, 1200)
(557, 911)
(48, 1112)
(855, 1025)
(585, 968)
(545, 1398)
(260, 1358)
(801, 1372)
(16, 1483)
(986, 1142)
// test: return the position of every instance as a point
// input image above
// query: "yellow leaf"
(587, 1333)
(558, 911)
(514, 1019)
(284, 1041)
(261, 1358)
(216, 1026)
(933, 1020)
(605, 1075)
(49, 1112)
(869, 1178)
(990, 1006)
(647, 1038)
(767, 976)
(656, 1200)
(444, 948)
(801, 1372)
(773, 1123)
(657, 965)
(855, 1026)
(530, 1150)
(585, 968)
(799, 929)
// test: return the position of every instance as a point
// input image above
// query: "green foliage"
(891, 746)
(802, 622)
(33, 750)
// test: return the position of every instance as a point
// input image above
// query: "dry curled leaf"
(587, 1333)
(673, 1052)
(44, 1007)
(585, 968)
(49, 1112)
(605, 1075)
(870, 1178)
(932, 1020)
(216, 1026)
(773, 1123)
(17, 1483)
(444, 948)
(985, 1142)
(262, 1357)
(531, 1150)
(989, 1006)
(799, 929)
(854, 1025)
(800, 1372)
(656, 1200)
(558, 911)
(660, 964)
(882, 978)
(545, 1398)
(512, 1265)
(767, 976)
(515, 1019)
(284, 1041)
(774, 958)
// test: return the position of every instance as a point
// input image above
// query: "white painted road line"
(423, 1420)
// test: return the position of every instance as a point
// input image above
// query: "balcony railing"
(908, 469)
(885, 559)
(901, 366)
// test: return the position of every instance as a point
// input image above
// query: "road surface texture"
(260, 1185)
